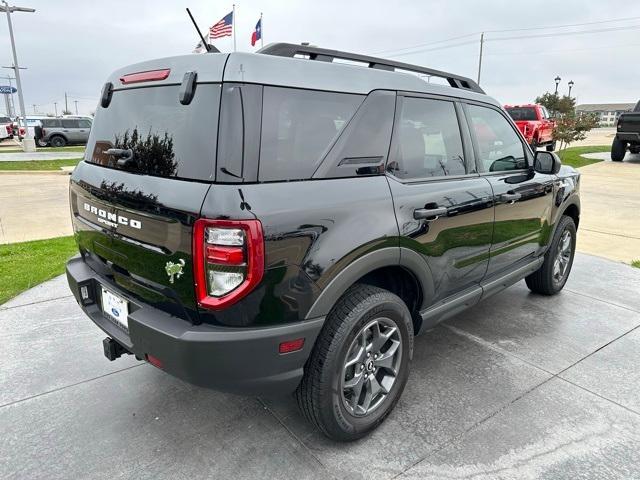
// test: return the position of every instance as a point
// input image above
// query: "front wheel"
(550, 278)
(41, 142)
(618, 150)
(359, 365)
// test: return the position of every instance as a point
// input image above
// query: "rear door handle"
(510, 197)
(429, 213)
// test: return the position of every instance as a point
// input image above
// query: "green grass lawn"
(635, 263)
(73, 148)
(39, 164)
(571, 156)
(26, 264)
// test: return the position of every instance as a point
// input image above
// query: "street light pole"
(571, 84)
(28, 143)
(557, 80)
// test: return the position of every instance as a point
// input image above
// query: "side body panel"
(313, 231)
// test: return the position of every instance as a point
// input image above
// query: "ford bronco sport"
(282, 222)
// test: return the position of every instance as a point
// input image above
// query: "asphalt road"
(519, 387)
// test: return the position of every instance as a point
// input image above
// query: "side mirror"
(546, 162)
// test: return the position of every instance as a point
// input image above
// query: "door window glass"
(428, 140)
(499, 146)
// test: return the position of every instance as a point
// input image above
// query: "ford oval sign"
(7, 89)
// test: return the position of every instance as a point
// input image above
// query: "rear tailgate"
(134, 219)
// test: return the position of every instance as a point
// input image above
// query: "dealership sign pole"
(28, 144)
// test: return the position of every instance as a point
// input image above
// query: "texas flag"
(257, 33)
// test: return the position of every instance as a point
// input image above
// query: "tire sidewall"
(395, 310)
(54, 142)
(566, 224)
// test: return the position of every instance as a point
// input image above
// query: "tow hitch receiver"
(113, 349)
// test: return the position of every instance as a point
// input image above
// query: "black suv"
(288, 221)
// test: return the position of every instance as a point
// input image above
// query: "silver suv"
(58, 132)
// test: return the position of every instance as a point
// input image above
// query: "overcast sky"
(71, 46)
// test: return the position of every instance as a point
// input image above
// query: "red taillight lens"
(228, 260)
(148, 76)
(155, 361)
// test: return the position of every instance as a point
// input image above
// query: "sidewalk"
(34, 207)
(24, 156)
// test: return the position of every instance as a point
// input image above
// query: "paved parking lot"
(519, 387)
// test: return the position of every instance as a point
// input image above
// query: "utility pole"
(34, 107)
(28, 144)
(76, 102)
(480, 57)
(66, 105)
(55, 107)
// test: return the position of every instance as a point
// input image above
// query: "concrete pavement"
(34, 207)
(610, 195)
(519, 387)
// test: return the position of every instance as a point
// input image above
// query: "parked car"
(263, 223)
(535, 124)
(58, 132)
(627, 134)
(6, 128)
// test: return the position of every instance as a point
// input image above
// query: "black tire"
(618, 150)
(551, 147)
(544, 280)
(41, 142)
(321, 396)
(57, 141)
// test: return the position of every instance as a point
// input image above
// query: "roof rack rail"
(326, 55)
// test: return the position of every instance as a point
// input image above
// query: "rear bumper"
(629, 136)
(239, 360)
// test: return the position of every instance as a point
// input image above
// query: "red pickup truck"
(535, 124)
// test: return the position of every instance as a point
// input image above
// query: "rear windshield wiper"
(124, 156)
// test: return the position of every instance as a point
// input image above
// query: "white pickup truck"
(6, 128)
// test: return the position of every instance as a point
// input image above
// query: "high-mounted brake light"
(228, 260)
(148, 76)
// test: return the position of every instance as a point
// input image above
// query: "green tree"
(571, 127)
(556, 104)
(66, 112)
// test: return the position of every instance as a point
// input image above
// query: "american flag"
(224, 28)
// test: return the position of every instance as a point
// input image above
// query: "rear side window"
(69, 123)
(522, 113)
(428, 141)
(84, 123)
(167, 139)
(5, 120)
(51, 123)
(298, 128)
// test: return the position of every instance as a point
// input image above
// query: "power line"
(510, 30)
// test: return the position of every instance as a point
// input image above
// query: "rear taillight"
(21, 131)
(9, 129)
(44, 132)
(228, 260)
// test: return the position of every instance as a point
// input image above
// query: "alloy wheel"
(371, 366)
(563, 257)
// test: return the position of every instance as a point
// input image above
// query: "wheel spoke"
(386, 360)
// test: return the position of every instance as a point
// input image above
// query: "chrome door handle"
(429, 213)
(510, 197)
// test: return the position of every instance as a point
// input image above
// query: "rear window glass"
(69, 123)
(523, 113)
(5, 120)
(298, 127)
(51, 122)
(166, 138)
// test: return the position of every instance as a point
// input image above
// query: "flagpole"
(235, 24)
(261, 32)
